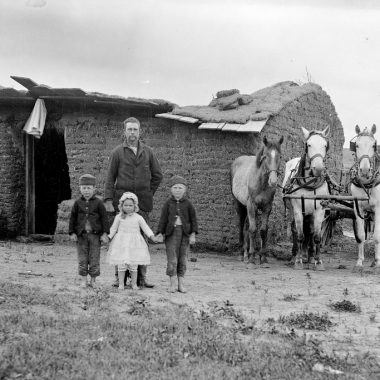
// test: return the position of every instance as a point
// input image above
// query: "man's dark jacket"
(92, 210)
(170, 210)
(139, 173)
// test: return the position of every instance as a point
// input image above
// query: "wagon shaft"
(327, 197)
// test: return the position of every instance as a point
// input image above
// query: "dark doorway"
(52, 180)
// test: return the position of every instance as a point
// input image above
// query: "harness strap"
(303, 206)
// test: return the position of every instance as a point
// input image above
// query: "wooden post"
(30, 195)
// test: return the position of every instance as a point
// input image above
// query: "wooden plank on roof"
(231, 127)
(26, 82)
(211, 126)
(252, 126)
(41, 90)
(167, 116)
(68, 92)
(187, 119)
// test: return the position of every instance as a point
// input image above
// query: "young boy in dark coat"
(88, 227)
(178, 222)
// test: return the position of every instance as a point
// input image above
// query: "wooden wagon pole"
(30, 194)
(328, 197)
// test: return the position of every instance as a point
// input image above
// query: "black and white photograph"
(189, 189)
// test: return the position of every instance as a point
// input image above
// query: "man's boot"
(134, 280)
(181, 286)
(116, 282)
(121, 278)
(145, 283)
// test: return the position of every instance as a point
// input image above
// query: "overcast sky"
(185, 51)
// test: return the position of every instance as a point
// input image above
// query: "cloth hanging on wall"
(36, 122)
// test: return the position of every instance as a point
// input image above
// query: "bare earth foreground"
(262, 294)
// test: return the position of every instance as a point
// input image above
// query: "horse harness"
(299, 181)
(366, 185)
(267, 171)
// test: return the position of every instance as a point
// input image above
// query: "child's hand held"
(159, 238)
(104, 238)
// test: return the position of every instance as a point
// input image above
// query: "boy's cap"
(87, 179)
(177, 179)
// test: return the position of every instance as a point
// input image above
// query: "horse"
(365, 183)
(253, 183)
(304, 176)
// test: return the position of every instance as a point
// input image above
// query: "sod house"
(40, 171)
(40, 176)
(206, 139)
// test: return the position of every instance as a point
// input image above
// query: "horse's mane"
(302, 162)
(270, 145)
(259, 156)
(301, 166)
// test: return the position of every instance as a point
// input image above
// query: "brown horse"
(254, 180)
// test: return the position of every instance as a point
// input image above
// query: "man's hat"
(177, 179)
(87, 179)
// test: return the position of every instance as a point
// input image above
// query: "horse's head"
(269, 158)
(316, 147)
(365, 151)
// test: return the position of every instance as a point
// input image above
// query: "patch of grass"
(168, 342)
(21, 296)
(290, 297)
(308, 321)
(345, 305)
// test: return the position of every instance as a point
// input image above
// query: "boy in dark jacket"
(178, 222)
(88, 226)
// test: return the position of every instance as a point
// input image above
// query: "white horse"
(366, 183)
(304, 176)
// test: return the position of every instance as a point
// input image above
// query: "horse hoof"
(298, 266)
(376, 268)
(251, 260)
(357, 269)
(319, 267)
(241, 258)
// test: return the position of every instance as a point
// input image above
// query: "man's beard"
(132, 140)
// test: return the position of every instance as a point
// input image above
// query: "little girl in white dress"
(128, 248)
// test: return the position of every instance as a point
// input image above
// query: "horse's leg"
(376, 238)
(308, 231)
(360, 239)
(294, 240)
(318, 219)
(251, 209)
(242, 213)
(246, 243)
(264, 233)
(298, 219)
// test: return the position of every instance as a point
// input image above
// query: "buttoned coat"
(184, 209)
(139, 173)
(92, 211)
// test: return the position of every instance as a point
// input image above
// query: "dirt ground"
(260, 293)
